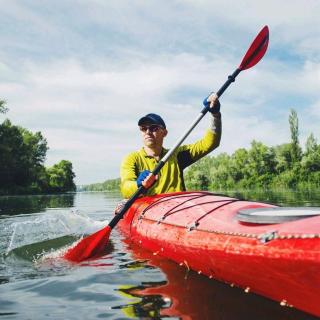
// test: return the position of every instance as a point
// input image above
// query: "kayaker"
(137, 166)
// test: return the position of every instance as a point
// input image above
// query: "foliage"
(310, 161)
(60, 177)
(294, 130)
(108, 185)
(282, 166)
(3, 108)
(22, 156)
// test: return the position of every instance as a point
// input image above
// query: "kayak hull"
(199, 231)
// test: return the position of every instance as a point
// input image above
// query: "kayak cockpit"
(276, 214)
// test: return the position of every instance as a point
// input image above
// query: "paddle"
(95, 244)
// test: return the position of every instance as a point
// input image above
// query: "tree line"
(22, 157)
(108, 185)
(284, 166)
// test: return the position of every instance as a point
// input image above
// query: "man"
(137, 166)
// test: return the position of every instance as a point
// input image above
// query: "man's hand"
(213, 102)
(146, 179)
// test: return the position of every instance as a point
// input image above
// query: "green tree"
(22, 156)
(239, 165)
(261, 164)
(3, 108)
(220, 177)
(198, 180)
(111, 185)
(61, 177)
(311, 158)
(283, 157)
(108, 185)
(12, 167)
(294, 130)
(34, 155)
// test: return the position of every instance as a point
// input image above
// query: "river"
(126, 283)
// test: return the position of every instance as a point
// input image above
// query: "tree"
(220, 177)
(311, 145)
(311, 158)
(22, 156)
(61, 177)
(260, 159)
(3, 108)
(283, 157)
(12, 165)
(294, 129)
(198, 181)
(35, 150)
(239, 164)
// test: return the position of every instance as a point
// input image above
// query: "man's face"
(152, 135)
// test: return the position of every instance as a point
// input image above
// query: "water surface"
(127, 282)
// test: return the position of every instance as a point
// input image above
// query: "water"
(126, 283)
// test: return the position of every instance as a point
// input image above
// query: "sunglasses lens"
(152, 128)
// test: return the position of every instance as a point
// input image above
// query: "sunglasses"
(152, 128)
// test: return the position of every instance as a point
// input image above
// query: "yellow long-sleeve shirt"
(170, 177)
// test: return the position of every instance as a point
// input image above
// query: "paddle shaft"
(253, 56)
(141, 190)
(94, 244)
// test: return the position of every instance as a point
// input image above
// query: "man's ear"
(165, 133)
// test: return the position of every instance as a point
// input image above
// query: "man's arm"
(210, 140)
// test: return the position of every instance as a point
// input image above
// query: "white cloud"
(87, 75)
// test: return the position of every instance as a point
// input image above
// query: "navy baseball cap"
(152, 118)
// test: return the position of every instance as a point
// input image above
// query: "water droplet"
(283, 303)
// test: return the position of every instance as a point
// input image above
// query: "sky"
(84, 72)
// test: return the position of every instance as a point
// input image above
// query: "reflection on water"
(187, 295)
(292, 198)
(13, 205)
(127, 282)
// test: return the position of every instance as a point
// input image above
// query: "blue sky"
(84, 72)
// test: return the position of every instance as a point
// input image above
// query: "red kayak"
(235, 241)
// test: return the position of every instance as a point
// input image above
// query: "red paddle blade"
(90, 246)
(257, 49)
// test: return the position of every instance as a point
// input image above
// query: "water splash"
(32, 238)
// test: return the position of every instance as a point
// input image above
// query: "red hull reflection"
(192, 296)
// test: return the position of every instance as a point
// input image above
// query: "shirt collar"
(144, 154)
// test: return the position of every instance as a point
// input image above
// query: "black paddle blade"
(257, 49)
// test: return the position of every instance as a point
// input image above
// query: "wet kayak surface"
(126, 282)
